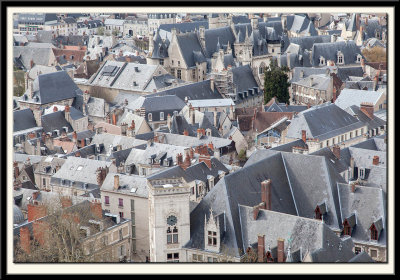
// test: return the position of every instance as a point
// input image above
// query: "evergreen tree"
(276, 83)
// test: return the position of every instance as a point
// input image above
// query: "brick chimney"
(336, 151)
(116, 182)
(25, 239)
(304, 136)
(101, 173)
(261, 248)
(191, 153)
(353, 187)
(66, 202)
(187, 162)
(375, 160)
(199, 133)
(368, 109)
(266, 194)
(186, 133)
(114, 118)
(281, 251)
(179, 160)
(206, 159)
(95, 208)
(55, 109)
(36, 212)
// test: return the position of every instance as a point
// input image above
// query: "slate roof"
(52, 87)
(188, 141)
(109, 139)
(306, 42)
(306, 235)
(55, 121)
(345, 72)
(179, 125)
(323, 122)
(349, 97)
(23, 119)
(165, 103)
(124, 76)
(371, 123)
(190, 47)
(243, 78)
(79, 170)
(194, 91)
(320, 81)
(368, 205)
(362, 257)
(243, 187)
(184, 27)
(223, 35)
(329, 51)
(36, 18)
(127, 185)
(301, 24)
(39, 56)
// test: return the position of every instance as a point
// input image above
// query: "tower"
(169, 219)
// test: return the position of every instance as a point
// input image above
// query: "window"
(161, 116)
(197, 258)
(150, 117)
(121, 214)
(192, 190)
(172, 62)
(120, 202)
(351, 134)
(357, 250)
(318, 214)
(173, 257)
(107, 200)
(212, 238)
(362, 173)
(356, 133)
(44, 182)
(122, 250)
(172, 235)
(179, 74)
(194, 74)
(340, 58)
(373, 253)
(120, 234)
(144, 171)
(179, 63)
(374, 233)
(161, 61)
(261, 70)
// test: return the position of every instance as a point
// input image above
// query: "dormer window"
(362, 173)
(161, 116)
(340, 58)
(150, 117)
(347, 228)
(359, 57)
(374, 232)
(321, 61)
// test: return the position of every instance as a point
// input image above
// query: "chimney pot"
(304, 136)
(281, 252)
(266, 194)
(261, 248)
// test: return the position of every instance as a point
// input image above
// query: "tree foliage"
(276, 83)
(375, 54)
(100, 31)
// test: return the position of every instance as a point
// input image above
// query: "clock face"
(171, 220)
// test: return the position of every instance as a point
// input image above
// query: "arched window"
(340, 58)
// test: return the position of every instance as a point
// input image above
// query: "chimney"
(311, 81)
(114, 119)
(16, 170)
(212, 84)
(116, 182)
(261, 248)
(95, 208)
(266, 194)
(199, 133)
(169, 121)
(187, 162)
(375, 84)
(368, 109)
(101, 174)
(351, 167)
(66, 202)
(304, 136)
(366, 21)
(35, 212)
(363, 64)
(281, 252)
(74, 137)
(375, 160)
(67, 113)
(336, 151)
(186, 133)
(25, 239)
(301, 73)
(55, 109)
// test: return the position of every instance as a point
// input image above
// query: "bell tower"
(169, 218)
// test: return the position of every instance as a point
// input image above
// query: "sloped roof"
(243, 78)
(55, 121)
(128, 184)
(23, 119)
(349, 97)
(368, 204)
(322, 122)
(329, 51)
(190, 48)
(40, 56)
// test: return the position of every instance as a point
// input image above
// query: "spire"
(218, 45)
(238, 37)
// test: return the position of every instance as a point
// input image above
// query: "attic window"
(374, 232)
